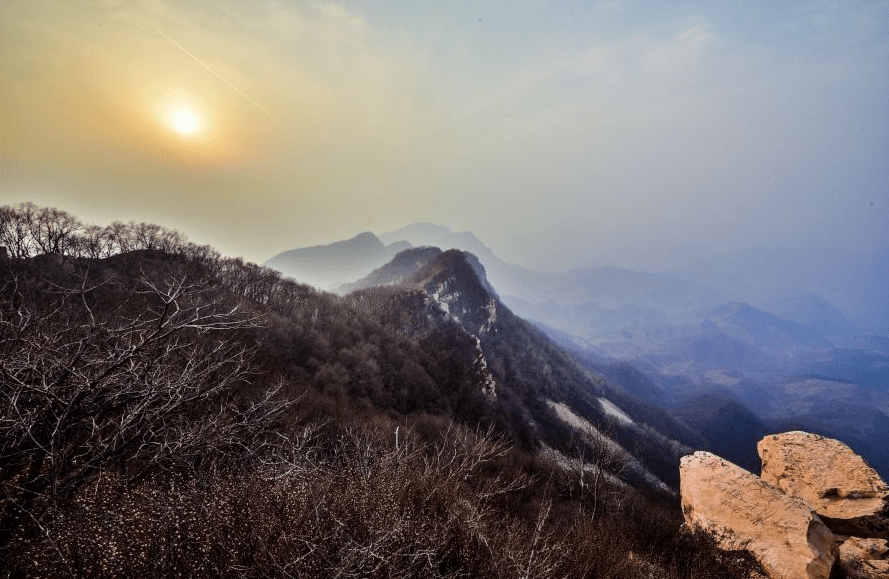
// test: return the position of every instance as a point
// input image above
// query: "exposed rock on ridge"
(745, 512)
(813, 494)
(845, 491)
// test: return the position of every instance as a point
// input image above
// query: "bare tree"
(120, 237)
(89, 384)
(600, 455)
(92, 242)
(53, 230)
(15, 231)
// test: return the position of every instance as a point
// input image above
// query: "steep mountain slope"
(539, 386)
(729, 392)
(730, 428)
(684, 338)
(632, 380)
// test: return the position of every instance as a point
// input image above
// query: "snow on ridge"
(491, 307)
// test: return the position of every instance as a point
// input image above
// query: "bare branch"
(139, 386)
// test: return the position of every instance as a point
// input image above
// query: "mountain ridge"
(324, 265)
(455, 281)
(688, 340)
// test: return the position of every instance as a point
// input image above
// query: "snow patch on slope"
(611, 409)
(621, 454)
(573, 465)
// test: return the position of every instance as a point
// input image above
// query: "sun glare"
(185, 122)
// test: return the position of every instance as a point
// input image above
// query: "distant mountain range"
(723, 366)
(328, 266)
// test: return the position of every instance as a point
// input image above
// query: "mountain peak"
(456, 280)
(365, 237)
(421, 230)
(457, 264)
(434, 235)
(324, 265)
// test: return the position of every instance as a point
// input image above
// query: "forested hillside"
(166, 411)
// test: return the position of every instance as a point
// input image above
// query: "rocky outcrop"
(745, 512)
(845, 491)
(816, 505)
(865, 558)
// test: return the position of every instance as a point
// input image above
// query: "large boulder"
(744, 512)
(865, 558)
(848, 495)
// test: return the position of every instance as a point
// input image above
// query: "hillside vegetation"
(165, 411)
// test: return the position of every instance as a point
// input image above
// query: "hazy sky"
(562, 133)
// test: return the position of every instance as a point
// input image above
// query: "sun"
(185, 122)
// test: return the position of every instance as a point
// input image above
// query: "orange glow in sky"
(577, 133)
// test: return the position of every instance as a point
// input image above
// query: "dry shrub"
(348, 503)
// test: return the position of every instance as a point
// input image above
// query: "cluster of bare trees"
(601, 466)
(125, 380)
(27, 230)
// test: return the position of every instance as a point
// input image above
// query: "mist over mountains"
(592, 291)
(725, 358)
(326, 266)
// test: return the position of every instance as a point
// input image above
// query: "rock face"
(745, 512)
(865, 558)
(845, 491)
(817, 503)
